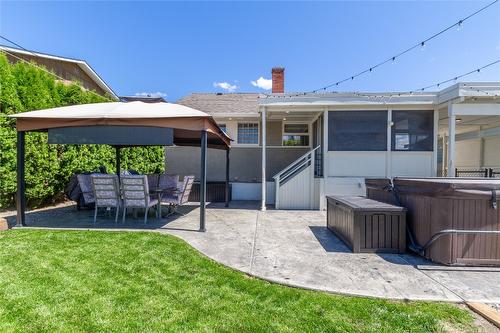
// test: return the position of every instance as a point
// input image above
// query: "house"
(145, 99)
(70, 70)
(292, 150)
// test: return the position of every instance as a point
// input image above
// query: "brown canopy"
(186, 122)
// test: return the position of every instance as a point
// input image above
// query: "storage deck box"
(367, 225)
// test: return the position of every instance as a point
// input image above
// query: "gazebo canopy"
(123, 124)
(187, 123)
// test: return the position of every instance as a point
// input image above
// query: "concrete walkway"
(295, 248)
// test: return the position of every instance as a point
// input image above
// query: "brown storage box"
(436, 204)
(367, 225)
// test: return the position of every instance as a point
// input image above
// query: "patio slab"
(295, 248)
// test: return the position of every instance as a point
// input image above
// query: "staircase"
(297, 185)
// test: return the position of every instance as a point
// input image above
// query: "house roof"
(145, 99)
(81, 63)
(223, 105)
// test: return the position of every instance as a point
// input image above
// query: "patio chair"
(180, 196)
(153, 181)
(135, 191)
(106, 191)
(168, 181)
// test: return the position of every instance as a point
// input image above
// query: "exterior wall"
(468, 153)
(492, 152)
(245, 162)
(346, 171)
(67, 70)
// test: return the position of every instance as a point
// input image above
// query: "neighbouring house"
(315, 145)
(145, 99)
(70, 70)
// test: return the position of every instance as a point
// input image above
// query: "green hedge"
(24, 87)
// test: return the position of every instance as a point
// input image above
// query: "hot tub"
(454, 221)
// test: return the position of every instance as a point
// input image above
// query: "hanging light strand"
(393, 58)
(411, 92)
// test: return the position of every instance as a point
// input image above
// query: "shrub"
(24, 87)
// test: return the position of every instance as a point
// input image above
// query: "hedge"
(24, 87)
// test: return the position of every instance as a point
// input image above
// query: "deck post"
(264, 182)
(451, 140)
(117, 161)
(203, 179)
(227, 178)
(21, 184)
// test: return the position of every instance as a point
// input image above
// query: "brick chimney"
(278, 77)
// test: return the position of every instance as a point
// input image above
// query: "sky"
(177, 48)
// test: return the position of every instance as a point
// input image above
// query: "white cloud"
(262, 83)
(226, 86)
(151, 94)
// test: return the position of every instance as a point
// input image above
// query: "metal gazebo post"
(203, 178)
(21, 184)
(227, 178)
(117, 160)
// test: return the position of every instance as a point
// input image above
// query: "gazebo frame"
(190, 128)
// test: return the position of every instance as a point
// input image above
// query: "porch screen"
(357, 130)
(412, 130)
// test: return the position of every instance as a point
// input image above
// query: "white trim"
(451, 140)
(258, 134)
(308, 134)
(388, 164)
(264, 183)
(435, 143)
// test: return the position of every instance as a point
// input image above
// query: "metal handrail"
(291, 165)
(284, 177)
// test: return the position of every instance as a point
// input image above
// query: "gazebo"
(122, 124)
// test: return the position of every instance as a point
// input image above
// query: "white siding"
(492, 152)
(356, 164)
(412, 164)
(252, 191)
(468, 153)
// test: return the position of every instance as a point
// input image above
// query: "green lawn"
(138, 281)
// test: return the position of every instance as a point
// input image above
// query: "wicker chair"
(180, 196)
(135, 191)
(106, 191)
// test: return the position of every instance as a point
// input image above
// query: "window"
(223, 128)
(295, 135)
(357, 130)
(412, 130)
(248, 133)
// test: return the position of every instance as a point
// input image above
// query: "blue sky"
(176, 48)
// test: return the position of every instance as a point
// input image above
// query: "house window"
(223, 128)
(295, 135)
(412, 130)
(248, 133)
(357, 130)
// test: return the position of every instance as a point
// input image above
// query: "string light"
(410, 92)
(392, 59)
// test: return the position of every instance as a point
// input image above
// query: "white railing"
(305, 167)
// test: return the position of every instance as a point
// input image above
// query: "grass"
(91, 281)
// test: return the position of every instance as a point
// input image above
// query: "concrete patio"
(296, 249)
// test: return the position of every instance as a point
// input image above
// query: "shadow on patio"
(66, 216)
